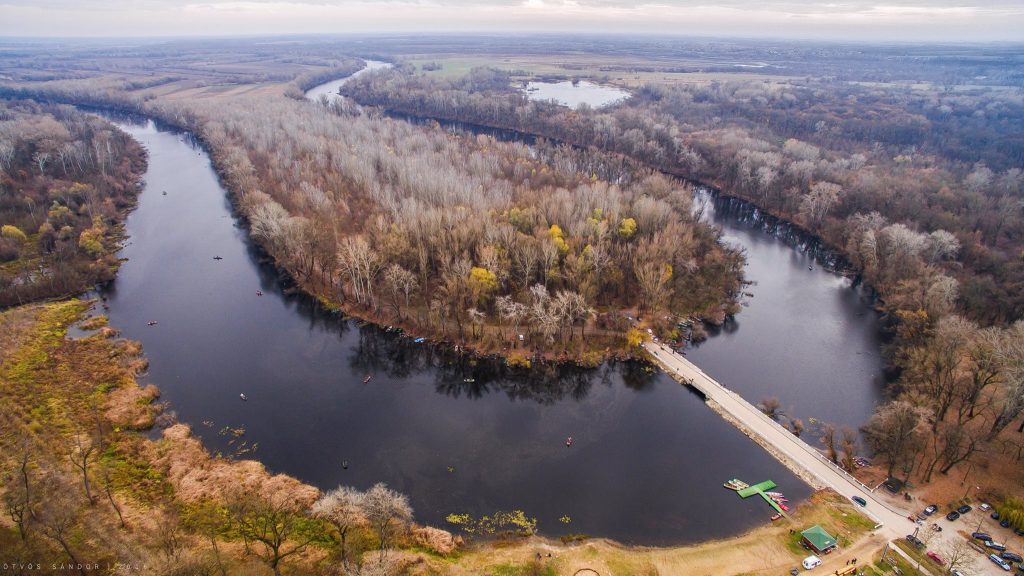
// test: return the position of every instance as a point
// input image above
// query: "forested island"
(503, 247)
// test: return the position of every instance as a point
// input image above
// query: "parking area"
(938, 532)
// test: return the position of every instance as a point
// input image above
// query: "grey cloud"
(868, 19)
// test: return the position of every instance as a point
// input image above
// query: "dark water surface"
(459, 435)
(807, 336)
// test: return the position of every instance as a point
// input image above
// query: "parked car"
(935, 557)
(893, 485)
(1012, 557)
(955, 572)
(952, 516)
(984, 506)
(1018, 531)
(995, 546)
(931, 509)
(813, 562)
(981, 536)
(964, 509)
(1005, 523)
(994, 515)
(915, 541)
(999, 561)
(859, 500)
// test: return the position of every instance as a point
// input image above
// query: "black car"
(994, 515)
(1005, 523)
(981, 536)
(952, 516)
(995, 546)
(1018, 531)
(964, 509)
(915, 541)
(931, 509)
(1011, 556)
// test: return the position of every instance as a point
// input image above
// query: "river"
(456, 434)
(330, 89)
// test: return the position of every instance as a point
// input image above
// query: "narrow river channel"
(461, 435)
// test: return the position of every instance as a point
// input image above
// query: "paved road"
(892, 523)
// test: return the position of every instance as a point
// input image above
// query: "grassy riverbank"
(770, 549)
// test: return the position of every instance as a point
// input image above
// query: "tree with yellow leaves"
(482, 283)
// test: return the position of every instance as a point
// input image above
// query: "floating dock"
(759, 490)
(756, 489)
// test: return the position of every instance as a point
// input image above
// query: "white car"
(811, 562)
(999, 562)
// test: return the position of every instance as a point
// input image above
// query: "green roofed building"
(818, 540)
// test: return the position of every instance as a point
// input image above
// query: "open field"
(630, 72)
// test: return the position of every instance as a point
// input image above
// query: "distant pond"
(572, 94)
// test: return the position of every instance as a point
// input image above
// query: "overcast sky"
(894, 20)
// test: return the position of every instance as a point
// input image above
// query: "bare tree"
(361, 263)
(168, 535)
(933, 370)
(41, 159)
(817, 203)
(343, 508)
(107, 481)
(18, 493)
(848, 443)
(58, 516)
(770, 406)
(828, 438)
(82, 448)
(959, 555)
(896, 430)
(477, 319)
(796, 425)
(400, 282)
(387, 511)
(512, 312)
(653, 278)
(277, 524)
(1011, 358)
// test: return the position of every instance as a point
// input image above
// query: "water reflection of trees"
(463, 376)
(728, 209)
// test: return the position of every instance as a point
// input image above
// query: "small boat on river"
(243, 397)
(368, 378)
(776, 517)
(568, 441)
(735, 484)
